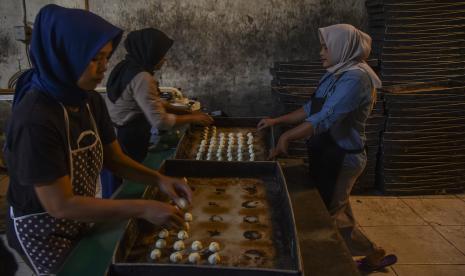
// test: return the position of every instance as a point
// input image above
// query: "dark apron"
(325, 156)
(134, 139)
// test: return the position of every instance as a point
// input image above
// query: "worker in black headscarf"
(134, 100)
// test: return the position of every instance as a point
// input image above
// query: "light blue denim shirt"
(347, 107)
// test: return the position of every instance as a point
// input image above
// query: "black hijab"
(145, 49)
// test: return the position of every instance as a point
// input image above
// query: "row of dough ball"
(196, 245)
(229, 156)
(222, 141)
(194, 257)
(206, 131)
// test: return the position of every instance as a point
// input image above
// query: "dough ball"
(194, 258)
(161, 243)
(196, 246)
(179, 245)
(188, 217)
(214, 258)
(182, 235)
(182, 203)
(175, 257)
(155, 254)
(163, 234)
(214, 247)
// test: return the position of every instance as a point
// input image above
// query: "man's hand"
(175, 188)
(162, 214)
(266, 122)
(281, 147)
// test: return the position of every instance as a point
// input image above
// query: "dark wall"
(224, 48)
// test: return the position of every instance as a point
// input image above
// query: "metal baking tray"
(130, 258)
(264, 140)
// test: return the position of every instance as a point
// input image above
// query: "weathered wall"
(223, 48)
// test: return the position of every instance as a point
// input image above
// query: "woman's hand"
(281, 147)
(201, 118)
(175, 188)
(266, 122)
(162, 214)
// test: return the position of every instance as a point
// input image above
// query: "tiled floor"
(427, 233)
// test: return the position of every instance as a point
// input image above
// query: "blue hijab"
(64, 41)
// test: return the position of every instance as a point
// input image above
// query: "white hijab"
(348, 49)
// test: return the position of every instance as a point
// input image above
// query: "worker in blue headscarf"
(54, 156)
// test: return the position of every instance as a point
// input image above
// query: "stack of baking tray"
(374, 127)
(423, 149)
(304, 74)
(297, 73)
(418, 40)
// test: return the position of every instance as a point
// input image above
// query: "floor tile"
(430, 270)
(409, 196)
(439, 211)
(384, 211)
(386, 272)
(438, 196)
(415, 244)
(454, 234)
(371, 196)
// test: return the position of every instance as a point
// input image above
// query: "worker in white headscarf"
(333, 122)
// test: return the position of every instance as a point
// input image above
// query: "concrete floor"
(427, 233)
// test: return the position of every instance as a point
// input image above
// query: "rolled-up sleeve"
(346, 98)
(146, 94)
(308, 108)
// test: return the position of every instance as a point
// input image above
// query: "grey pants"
(341, 211)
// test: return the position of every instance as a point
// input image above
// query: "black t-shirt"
(38, 150)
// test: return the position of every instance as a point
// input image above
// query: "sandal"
(386, 261)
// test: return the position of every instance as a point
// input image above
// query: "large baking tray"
(264, 139)
(284, 235)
